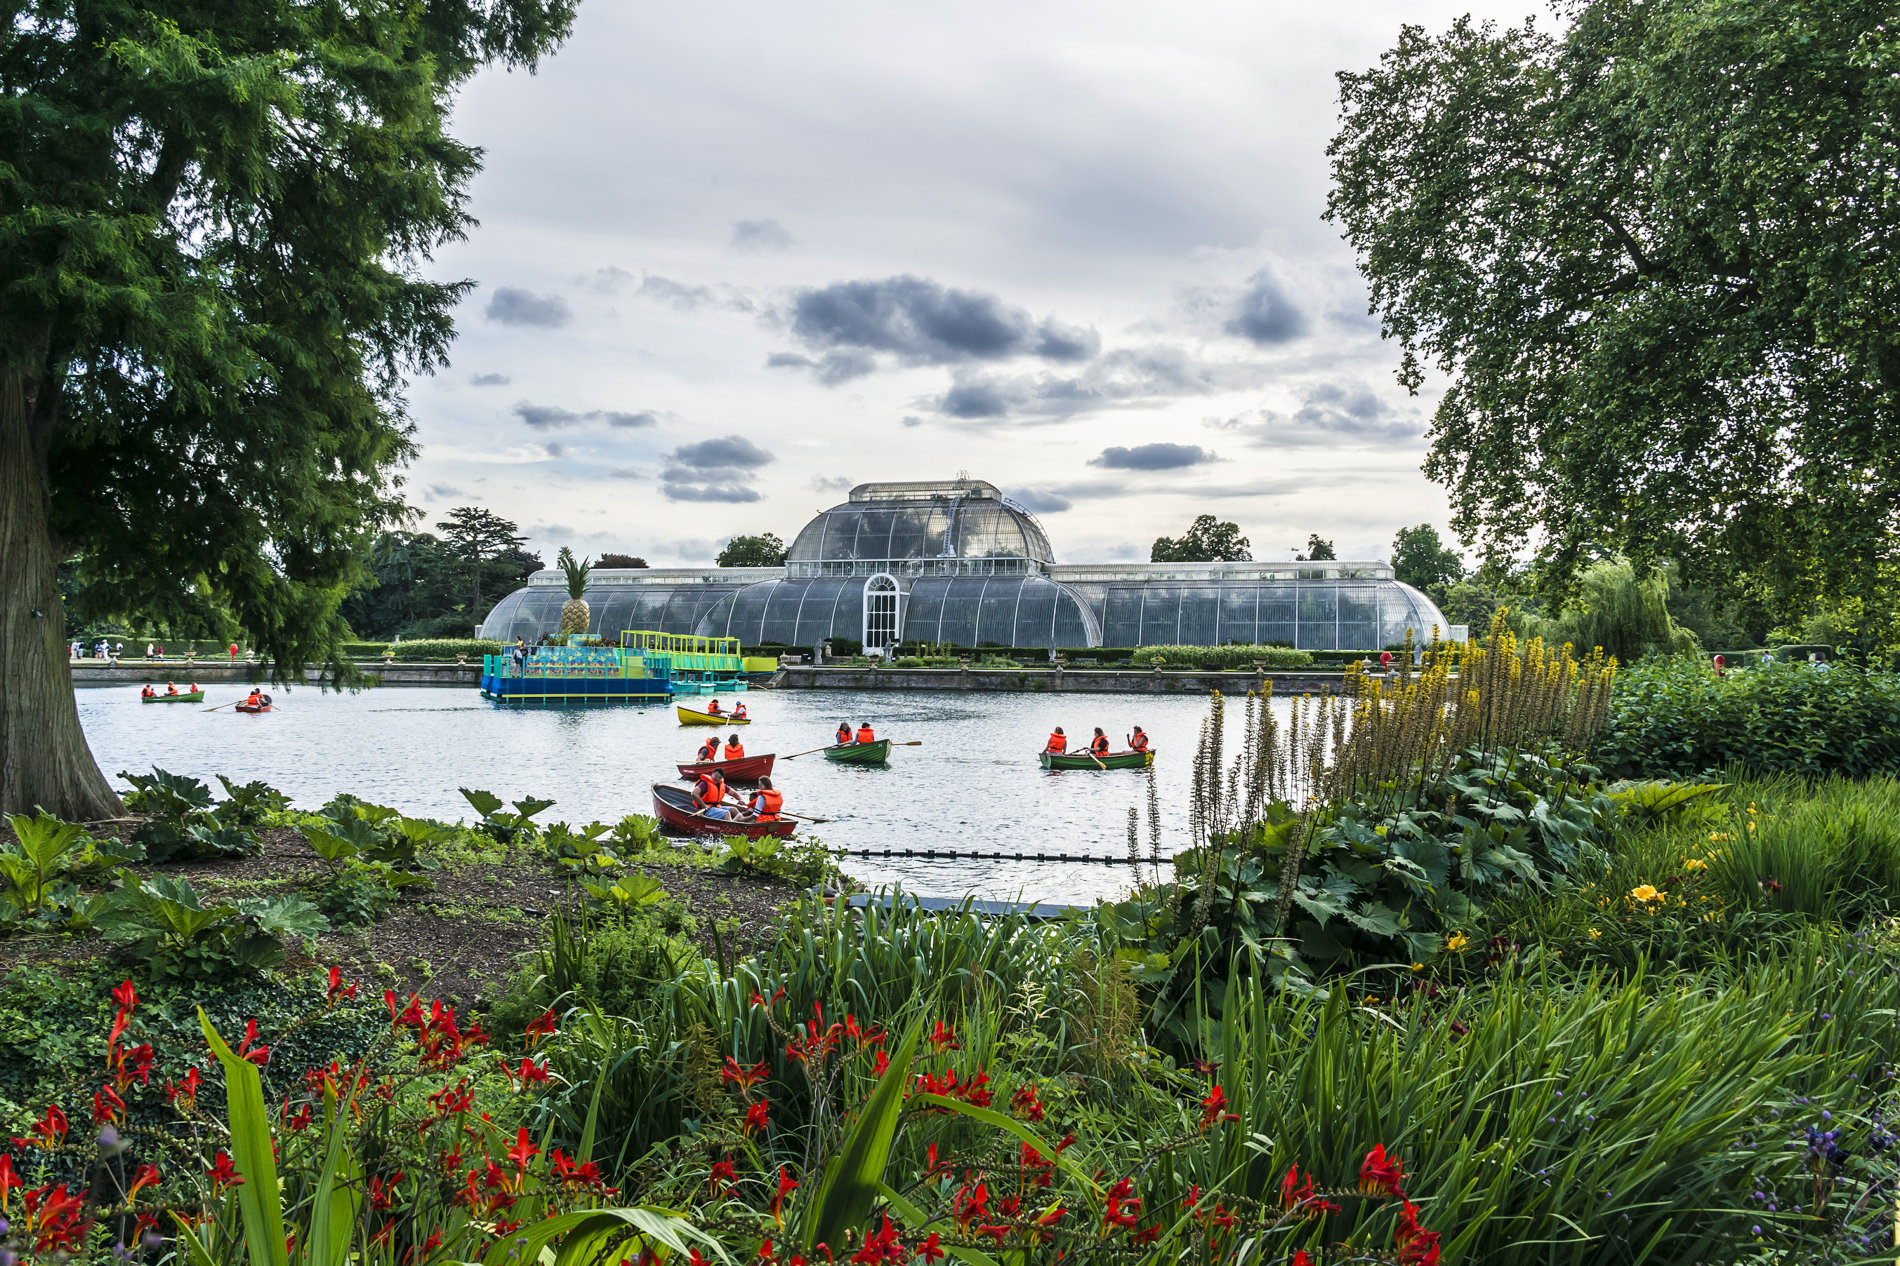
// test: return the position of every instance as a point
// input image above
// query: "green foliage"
(637, 833)
(800, 860)
(1275, 658)
(250, 804)
(1207, 540)
(39, 866)
(1426, 563)
(499, 825)
(1675, 716)
(184, 824)
(574, 571)
(1317, 550)
(1628, 618)
(1637, 242)
(618, 960)
(446, 649)
(752, 551)
(180, 937)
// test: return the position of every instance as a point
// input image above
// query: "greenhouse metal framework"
(957, 562)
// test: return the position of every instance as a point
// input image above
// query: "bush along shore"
(1449, 971)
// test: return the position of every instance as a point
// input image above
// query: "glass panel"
(1277, 633)
(996, 618)
(1237, 606)
(1198, 606)
(1035, 613)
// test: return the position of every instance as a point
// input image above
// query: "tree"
(1317, 550)
(1655, 257)
(1424, 562)
(753, 551)
(480, 539)
(630, 561)
(1205, 541)
(212, 236)
(1625, 614)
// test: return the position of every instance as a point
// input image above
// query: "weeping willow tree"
(1626, 616)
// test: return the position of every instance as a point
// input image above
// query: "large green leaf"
(590, 1232)
(249, 1122)
(990, 1116)
(336, 1203)
(852, 1176)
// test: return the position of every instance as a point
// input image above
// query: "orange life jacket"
(1100, 745)
(738, 710)
(711, 788)
(1058, 743)
(712, 709)
(735, 751)
(709, 750)
(865, 735)
(844, 735)
(766, 803)
(1139, 743)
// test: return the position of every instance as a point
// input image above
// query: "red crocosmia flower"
(1026, 1104)
(754, 1119)
(723, 1176)
(126, 996)
(976, 1092)
(1068, 1141)
(298, 1120)
(881, 1246)
(736, 1074)
(8, 1179)
(1214, 1109)
(1124, 1208)
(1147, 1235)
(523, 1151)
(186, 1089)
(995, 1232)
(767, 1253)
(51, 1127)
(929, 1249)
(1204, 1067)
(863, 1037)
(540, 1027)
(380, 1195)
(970, 1205)
(1052, 1217)
(223, 1173)
(135, 1065)
(340, 988)
(53, 1219)
(1381, 1175)
(786, 1185)
(259, 1055)
(146, 1177)
(1301, 1258)
(943, 1038)
(107, 1106)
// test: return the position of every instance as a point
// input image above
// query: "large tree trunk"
(44, 760)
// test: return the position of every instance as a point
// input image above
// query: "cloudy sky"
(734, 258)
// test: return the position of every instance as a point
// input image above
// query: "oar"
(234, 703)
(782, 813)
(832, 747)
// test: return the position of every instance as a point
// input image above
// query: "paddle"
(782, 813)
(832, 747)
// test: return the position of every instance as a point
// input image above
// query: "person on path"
(234, 650)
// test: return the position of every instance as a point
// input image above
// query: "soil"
(460, 937)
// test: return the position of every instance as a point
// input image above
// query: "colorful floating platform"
(566, 675)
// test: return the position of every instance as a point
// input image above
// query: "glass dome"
(963, 527)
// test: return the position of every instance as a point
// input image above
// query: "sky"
(734, 258)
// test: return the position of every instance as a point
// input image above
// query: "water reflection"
(974, 783)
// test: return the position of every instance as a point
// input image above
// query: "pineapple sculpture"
(574, 612)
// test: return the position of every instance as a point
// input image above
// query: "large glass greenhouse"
(957, 562)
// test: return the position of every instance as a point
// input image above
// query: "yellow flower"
(1595, 935)
(1647, 892)
(1457, 942)
(1418, 967)
(1694, 863)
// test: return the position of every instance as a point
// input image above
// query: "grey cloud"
(524, 307)
(1040, 500)
(543, 417)
(677, 293)
(624, 472)
(556, 449)
(981, 398)
(1125, 377)
(444, 491)
(611, 280)
(911, 419)
(832, 369)
(919, 322)
(1351, 409)
(1153, 457)
(831, 483)
(760, 236)
(720, 469)
(788, 360)
(615, 418)
(1264, 314)
(490, 380)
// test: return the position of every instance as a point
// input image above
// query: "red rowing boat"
(678, 809)
(745, 769)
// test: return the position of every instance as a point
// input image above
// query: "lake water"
(974, 783)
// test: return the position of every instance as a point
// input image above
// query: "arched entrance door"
(883, 613)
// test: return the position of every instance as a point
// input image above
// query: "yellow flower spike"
(1457, 942)
(1595, 935)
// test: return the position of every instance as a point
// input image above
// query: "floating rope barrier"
(952, 855)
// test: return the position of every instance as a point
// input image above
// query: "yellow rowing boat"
(690, 717)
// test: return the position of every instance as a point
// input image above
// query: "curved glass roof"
(894, 522)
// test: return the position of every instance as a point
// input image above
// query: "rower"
(844, 734)
(1058, 742)
(256, 700)
(193, 690)
(710, 791)
(1138, 741)
(738, 710)
(709, 750)
(734, 749)
(148, 693)
(171, 687)
(712, 709)
(865, 735)
(1098, 746)
(766, 801)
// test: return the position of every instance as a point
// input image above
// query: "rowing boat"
(745, 769)
(860, 753)
(679, 809)
(1082, 760)
(245, 707)
(690, 717)
(194, 696)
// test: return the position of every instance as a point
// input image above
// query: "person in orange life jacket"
(710, 791)
(256, 700)
(844, 733)
(1138, 741)
(1058, 741)
(738, 710)
(767, 801)
(1099, 744)
(148, 693)
(865, 735)
(709, 750)
(193, 690)
(734, 749)
(712, 709)
(171, 687)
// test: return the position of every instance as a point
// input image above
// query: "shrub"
(1276, 658)
(446, 648)
(184, 825)
(180, 937)
(1675, 716)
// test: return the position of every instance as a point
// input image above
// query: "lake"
(974, 783)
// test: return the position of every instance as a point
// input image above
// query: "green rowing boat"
(1114, 760)
(195, 696)
(860, 753)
